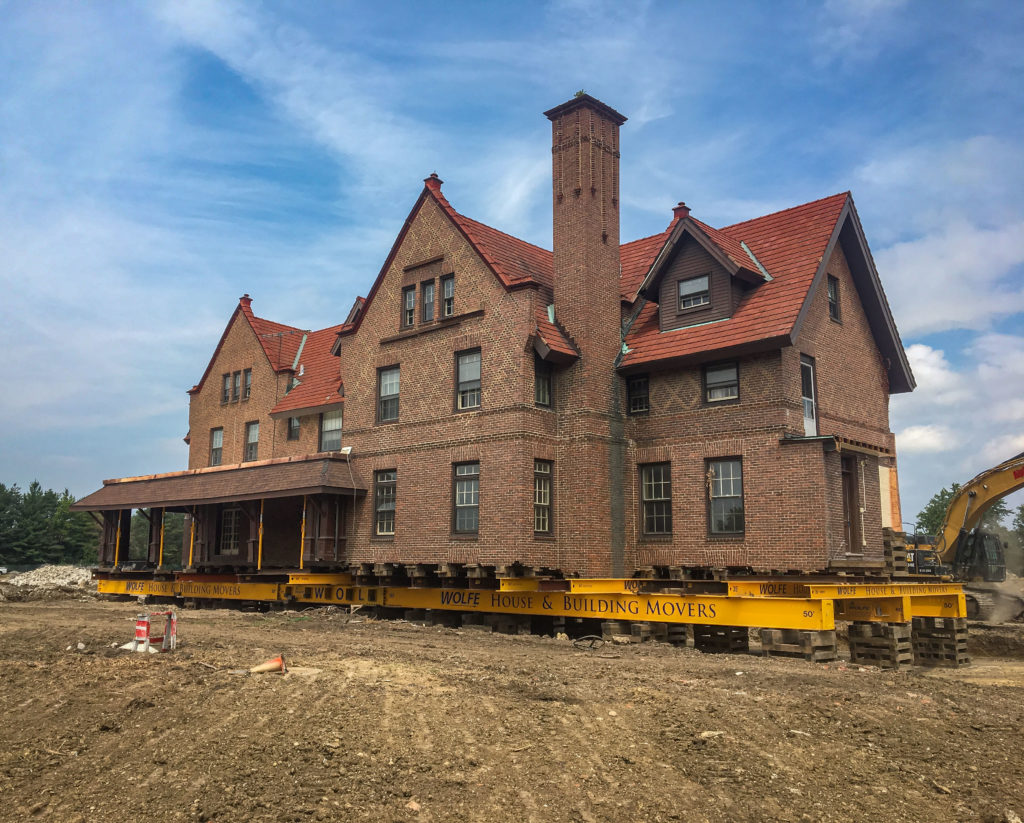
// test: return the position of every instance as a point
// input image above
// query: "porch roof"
(279, 477)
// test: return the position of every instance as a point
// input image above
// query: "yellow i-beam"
(191, 536)
(163, 513)
(117, 539)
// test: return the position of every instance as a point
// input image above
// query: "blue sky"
(157, 160)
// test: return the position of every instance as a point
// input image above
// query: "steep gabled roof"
(319, 387)
(636, 259)
(514, 262)
(793, 247)
(280, 343)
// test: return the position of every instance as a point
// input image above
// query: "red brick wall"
(242, 350)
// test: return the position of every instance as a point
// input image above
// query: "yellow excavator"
(969, 554)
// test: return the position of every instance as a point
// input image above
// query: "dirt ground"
(390, 721)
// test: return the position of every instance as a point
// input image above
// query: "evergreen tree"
(10, 508)
(1018, 523)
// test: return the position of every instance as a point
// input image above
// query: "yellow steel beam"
(519, 584)
(157, 588)
(873, 590)
(767, 588)
(604, 585)
(779, 613)
(320, 579)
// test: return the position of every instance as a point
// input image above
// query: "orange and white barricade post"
(145, 639)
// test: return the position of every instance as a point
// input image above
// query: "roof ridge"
(782, 211)
(505, 233)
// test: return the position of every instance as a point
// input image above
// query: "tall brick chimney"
(585, 180)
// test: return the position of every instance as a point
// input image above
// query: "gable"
(691, 261)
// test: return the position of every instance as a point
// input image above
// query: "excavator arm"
(970, 503)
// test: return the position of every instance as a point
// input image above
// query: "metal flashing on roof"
(757, 262)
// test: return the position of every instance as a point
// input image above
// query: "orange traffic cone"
(274, 665)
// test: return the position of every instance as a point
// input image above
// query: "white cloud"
(937, 381)
(1003, 447)
(931, 438)
(960, 276)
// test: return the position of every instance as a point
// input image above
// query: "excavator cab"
(980, 556)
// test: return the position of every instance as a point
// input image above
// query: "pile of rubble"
(54, 577)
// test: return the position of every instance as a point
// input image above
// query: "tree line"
(38, 527)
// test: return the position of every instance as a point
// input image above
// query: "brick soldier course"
(702, 401)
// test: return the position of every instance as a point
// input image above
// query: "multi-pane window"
(808, 396)
(541, 382)
(230, 530)
(427, 298)
(721, 382)
(694, 292)
(638, 399)
(725, 496)
(467, 498)
(833, 297)
(236, 385)
(656, 494)
(246, 384)
(294, 427)
(330, 431)
(542, 496)
(408, 305)
(387, 394)
(252, 441)
(448, 295)
(468, 379)
(225, 392)
(216, 446)
(384, 486)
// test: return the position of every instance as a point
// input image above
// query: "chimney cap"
(583, 100)
(245, 299)
(681, 210)
(433, 181)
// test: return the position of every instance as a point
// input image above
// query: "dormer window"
(695, 292)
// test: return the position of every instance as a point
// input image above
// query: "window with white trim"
(216, 446)
(467, 367)
(656, 496)
(695, 292)
(466, 517)
(384, 497)
(387, 394)
(330, 431)
(542, 503)
(721, 382)
(725, 496)
(252, 441)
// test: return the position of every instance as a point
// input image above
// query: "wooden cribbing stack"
(940, 641)
(817, 646)
(895, 552)
(887, 645)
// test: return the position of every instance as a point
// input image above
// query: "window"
(236, 385)
(408, 305)
(638, 399)
(694, 292)
(468, 379)
(833, 298)
(216, 446)
(448, 295)
(252, 441)
(725, 496)
(467, 498)
(656, 483)
(384, 483)
(225, 392)
(330, 431)
(246, 384)
(230, 530)
(721, 382)
(427, 297)
(542, 496)
(808, 395)
(294, 427)
(541, 382)
(387, 394)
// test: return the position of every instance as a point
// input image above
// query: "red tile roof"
(278, 341)
(636, 259)
(320, 384)
(514, 261)
(790, 245)
(555, 337)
